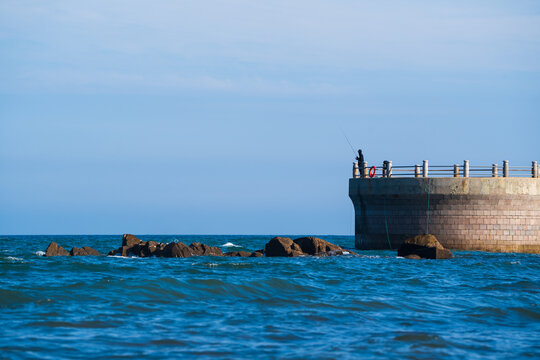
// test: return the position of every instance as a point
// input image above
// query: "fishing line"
(352, 148)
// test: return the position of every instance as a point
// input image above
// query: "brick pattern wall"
(497, 223)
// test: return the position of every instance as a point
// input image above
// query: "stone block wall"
(488, 214)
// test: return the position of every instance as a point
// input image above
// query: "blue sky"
(225, 117)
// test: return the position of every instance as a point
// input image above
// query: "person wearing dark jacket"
(360, 157)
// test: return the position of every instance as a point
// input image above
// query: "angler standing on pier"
(360, 157)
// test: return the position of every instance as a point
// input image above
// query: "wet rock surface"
(315, 246)
(304, 246)
(283, 247)
(84, 251)
(424, 247)
(276, 247)
(238, 253)
(56, 250)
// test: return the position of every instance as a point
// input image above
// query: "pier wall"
(488, 214)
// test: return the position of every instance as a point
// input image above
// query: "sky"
(227, 117)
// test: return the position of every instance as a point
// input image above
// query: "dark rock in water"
(281, 246)
(424, 247)
(204, 250)
(130, 240)
(149, 249)
(55, 250)
(315, 246)
(84, 251)
(238, 253)
(258, 253)
(176, 249)
(122, 251)
(138, 249)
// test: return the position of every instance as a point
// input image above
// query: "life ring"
(372, 171)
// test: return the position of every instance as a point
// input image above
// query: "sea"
(375, 305)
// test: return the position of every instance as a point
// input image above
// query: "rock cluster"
(423, 247)
(133, 246)
(278, 246)
(282, 246)
(56, 250)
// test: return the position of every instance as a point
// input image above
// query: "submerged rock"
(238, 253)
(257, 253)
(423, 247)
(55, 250)
(84, 251)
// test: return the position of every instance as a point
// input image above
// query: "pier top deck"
(387, 170)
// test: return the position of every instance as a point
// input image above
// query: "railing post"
(425, 169)
(364, 170)
(466, 168)
(456, 170)
(505, 168)
(534, 169)
(416, 170)
(389, 168)
(494, 170)
(355, 172)
(384, 166)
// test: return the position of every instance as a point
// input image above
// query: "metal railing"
(426, 170)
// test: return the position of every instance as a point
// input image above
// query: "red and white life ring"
(372, 171)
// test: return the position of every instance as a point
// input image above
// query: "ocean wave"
(13, 258)
(230, 244)
(40, 253)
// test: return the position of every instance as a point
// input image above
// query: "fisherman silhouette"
(360, 157)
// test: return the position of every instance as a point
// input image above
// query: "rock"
(424, 247)
(315, 246)
(258, 253)
(176, 249)
(281, 246)
(130, 240)
(55, 250)
(238, 253)
(204, 250)
(149, 249)
(84, 251)
(121, 251)
(138, 249)
(124, 251)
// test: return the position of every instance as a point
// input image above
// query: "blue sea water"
(375, 305)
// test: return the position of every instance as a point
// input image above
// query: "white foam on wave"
(13, 258)
(209, 264)
(230, 244)
(40, 253)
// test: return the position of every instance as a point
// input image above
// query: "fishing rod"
(352, 148)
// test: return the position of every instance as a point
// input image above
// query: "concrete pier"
(499, 214)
